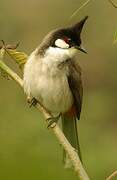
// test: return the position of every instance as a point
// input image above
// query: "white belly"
(49, 85)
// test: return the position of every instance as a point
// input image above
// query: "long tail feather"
(69, 126)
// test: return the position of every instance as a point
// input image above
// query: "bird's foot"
(52, 121)
(32, 102)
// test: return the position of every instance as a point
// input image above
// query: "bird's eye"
(67, 40)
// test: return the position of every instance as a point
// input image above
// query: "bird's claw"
(52, 121)
(32, 102)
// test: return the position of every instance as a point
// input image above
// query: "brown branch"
(113, 4)
(112, 175)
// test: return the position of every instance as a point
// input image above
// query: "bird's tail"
(69, 126)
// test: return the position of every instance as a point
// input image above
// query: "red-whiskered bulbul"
(53, 77)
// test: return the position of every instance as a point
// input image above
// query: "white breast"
(47, 83)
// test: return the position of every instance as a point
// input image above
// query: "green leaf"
(2, 53)
(19, 57)
(2, 72)
(115, 38)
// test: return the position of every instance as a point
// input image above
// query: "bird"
(52, 76)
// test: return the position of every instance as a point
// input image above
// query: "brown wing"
(75, 84)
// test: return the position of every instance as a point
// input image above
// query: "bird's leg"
(32, 101)
(53, 120)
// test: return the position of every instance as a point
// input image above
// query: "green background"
(28, 151)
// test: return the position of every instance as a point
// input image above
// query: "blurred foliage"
(27, 148)
(19, 57)
(115, 38)
(3, 73)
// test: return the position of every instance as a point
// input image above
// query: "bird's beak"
(81, 49)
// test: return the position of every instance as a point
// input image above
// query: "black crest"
(72, 32)
(77, 28)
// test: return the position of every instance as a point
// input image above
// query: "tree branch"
(113, 4)
(78, 168)
(81, 7)
(112, 175)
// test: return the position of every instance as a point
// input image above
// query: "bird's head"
(65, 38)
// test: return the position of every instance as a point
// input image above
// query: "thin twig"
(78, 168)
(113, 4)
(8, 46)
(11, 73)
(112, 175)
(77, 10)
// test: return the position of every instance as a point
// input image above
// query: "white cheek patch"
(61, 44)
